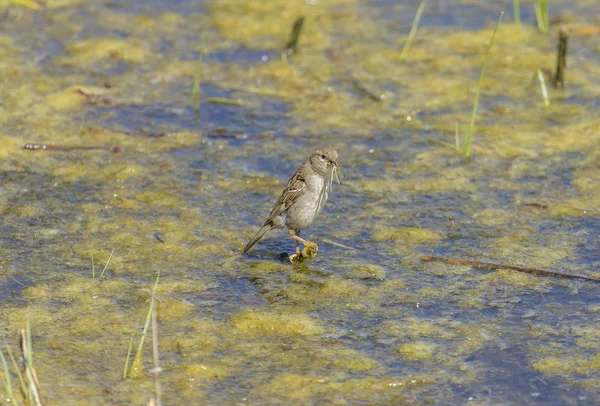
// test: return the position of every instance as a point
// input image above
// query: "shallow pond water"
(193, 178)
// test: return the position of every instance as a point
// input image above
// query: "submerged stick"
(561, 59)
(366, 92)
(68, 148)
(141, 133)
(357, 84)
(488, 265)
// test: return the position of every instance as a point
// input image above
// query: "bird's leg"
(296, 236)
(310, 248)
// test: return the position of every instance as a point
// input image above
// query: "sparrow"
(302, 199)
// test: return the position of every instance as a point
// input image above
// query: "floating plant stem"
(471, 129)
(224, 100)
(413, 29)
(542, 81)
(561, 59)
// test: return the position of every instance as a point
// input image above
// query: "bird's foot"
(309, 252)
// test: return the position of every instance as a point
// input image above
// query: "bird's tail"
(261, 233)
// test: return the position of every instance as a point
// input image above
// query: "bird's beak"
(336, 168)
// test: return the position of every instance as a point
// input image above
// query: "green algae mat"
(151, 138)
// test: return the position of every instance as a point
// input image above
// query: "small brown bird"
(302, 199)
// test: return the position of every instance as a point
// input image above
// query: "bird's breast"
(304, 211)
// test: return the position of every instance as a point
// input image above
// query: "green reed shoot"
(517, 11)
(137, 366)
(107, 262)
(7, 380)
(27, 347)
(466, 149)
(28, 382)
(126, 369)
(542, 15)
(24, 388)
(413, 29)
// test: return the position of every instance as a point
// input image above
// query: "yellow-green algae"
(366, 271)
(296, 386)
(260, 323)
(409, 235)
(417, 351)
(263, 24)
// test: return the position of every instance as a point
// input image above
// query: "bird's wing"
(292, 192)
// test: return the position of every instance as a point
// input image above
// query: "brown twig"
(487, 265)
(561, 59)
(142, 134)
(292, 44)
(538, 205)
(98, 100)
(68, 148)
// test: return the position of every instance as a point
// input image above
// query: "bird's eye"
(323, 156)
